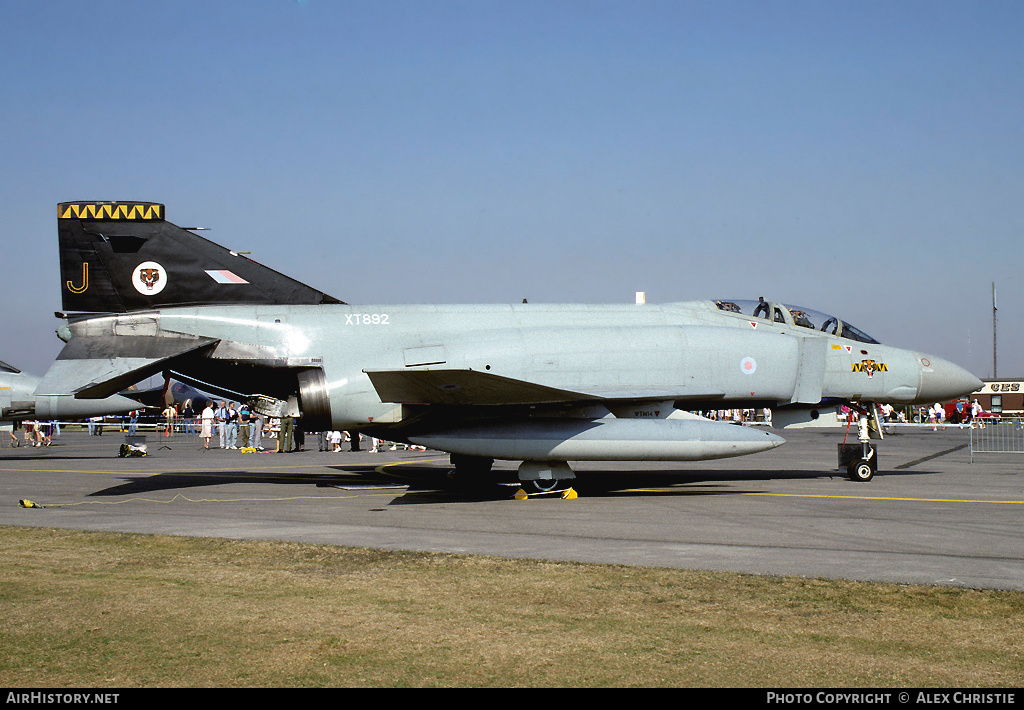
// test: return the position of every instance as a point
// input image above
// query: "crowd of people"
(237, 426)
(35, 433)
(335, 441)
(935, 414)
(224, 424)
(228, 425)
(738, 416)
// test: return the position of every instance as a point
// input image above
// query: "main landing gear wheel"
(861, 471)
(544, 486)
(545, 476)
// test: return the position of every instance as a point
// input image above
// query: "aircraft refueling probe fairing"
(541, 384)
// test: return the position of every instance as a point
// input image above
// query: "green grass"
(84, 609)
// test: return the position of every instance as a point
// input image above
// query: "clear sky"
(861, 158)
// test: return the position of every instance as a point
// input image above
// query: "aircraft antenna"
(995, 373)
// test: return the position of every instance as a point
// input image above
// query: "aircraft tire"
(861, 471)
(545, 486)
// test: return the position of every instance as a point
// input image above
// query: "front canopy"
(795, 315)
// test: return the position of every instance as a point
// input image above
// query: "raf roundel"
(748, 366)
(149, 278)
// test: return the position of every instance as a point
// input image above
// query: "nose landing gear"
(861, 460)
(863, 469)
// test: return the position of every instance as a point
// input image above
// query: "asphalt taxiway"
(929, 516)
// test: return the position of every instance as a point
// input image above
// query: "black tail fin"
(117, 257)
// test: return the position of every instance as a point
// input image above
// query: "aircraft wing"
(457, 387)
(96, 367)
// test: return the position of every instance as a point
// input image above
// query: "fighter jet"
(541, 384)
(20, 399)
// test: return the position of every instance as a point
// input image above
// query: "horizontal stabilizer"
(100, 366)
(471, 387)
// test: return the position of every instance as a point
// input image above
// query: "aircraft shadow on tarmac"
(431, 484)
(355, 475)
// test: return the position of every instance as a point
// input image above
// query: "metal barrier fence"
(1005, 436)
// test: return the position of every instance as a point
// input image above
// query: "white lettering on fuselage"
(367, 319)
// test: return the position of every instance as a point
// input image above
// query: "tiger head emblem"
(149, 277)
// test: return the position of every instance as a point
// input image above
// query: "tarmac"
(929, 516)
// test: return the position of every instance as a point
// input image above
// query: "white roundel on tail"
(149, 278)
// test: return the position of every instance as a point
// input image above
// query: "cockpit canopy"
(795, 315)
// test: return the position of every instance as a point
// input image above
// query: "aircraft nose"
(942, 380)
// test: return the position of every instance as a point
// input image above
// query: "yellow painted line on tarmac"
(182, 472)
(887, 498)
(699, 492)
(364, 493)
(179, 497)
(77, 470)
(379, 468)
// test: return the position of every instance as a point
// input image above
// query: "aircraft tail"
(117, 257)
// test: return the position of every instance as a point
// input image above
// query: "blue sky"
(861, 158)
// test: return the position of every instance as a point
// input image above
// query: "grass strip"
(86, 609)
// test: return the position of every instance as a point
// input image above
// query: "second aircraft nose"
(942, 380)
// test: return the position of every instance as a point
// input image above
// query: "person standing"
(257, 431)
(221, 419)
(170, 415)
(206, 428)
(244, 418)
(190, 418)
(287, 438)
(232, 424)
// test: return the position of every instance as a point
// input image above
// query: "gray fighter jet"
(542, 384)
(20, 400)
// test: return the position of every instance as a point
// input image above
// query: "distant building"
(1001, 397)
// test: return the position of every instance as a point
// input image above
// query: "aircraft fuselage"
(690, 354)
